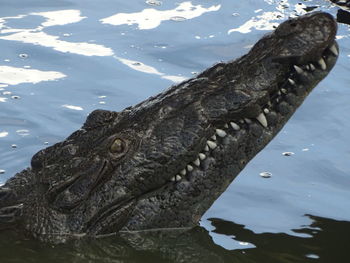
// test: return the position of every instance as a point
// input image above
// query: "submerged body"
(163, 162)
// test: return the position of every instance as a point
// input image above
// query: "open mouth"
(282, 103)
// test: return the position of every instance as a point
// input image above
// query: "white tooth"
(322, 63)
(291, 81)
(226, 125)
(189, 168)
(312, 67)
(266, 110)
(172, 179)
(334, 50)
(202, 156)
(212, 145)
(241, 121)
(307, 67)
(183, 172)
(279, 93)
(284, 90)
(234, 126)
(178, 178)
(299, 70)
(248, 120)
(262, 119)
(206, 148)
(197, 162)
(269, 103)
(213, 137)
(221, 133)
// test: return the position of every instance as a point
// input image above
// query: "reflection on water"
(325, 239)
(36, 35)
(151, 18)
(14, 76)
(139, 66)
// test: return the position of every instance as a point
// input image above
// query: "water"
(60, 60)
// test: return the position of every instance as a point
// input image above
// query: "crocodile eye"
(118, 146)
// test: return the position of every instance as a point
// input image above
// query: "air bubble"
(154, 2)
(288, 153)
(23, 55)
(265, 174)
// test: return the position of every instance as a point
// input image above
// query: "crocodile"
(163, 162)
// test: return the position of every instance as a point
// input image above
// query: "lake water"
(61, 59)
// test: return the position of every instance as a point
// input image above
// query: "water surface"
(62, 59)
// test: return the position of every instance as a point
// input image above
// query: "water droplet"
(23, 55)
(312, 256)
(27, 66)
(7, 60)
(305, 149)
(235, 14)
(67, 35)
(178, 18)
(2, 171)
(265, 174)
(23, 132)
(154, 2)
(7, 93)
(46, 143)
(15, 97)
(288, 153)
(14, 146)
(243, 243)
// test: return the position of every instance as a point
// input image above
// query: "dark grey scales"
(163, 162)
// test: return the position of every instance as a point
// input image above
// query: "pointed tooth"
(334, 50)
(249, 121)
(312, 67)
(234, 126)
(308, 67)
(266, 110)
(202, 156)
(279, 93)
(189, 168)
(212, 145)
(197, 162)
(283, 90)
(226, 125)
(291, 81)
(241, 121)
(213, 137)
(172, 179)
(262, 119)
(322, 63)
(221, 133)
(299, 70)
(206, 148)
(183, 172)
(178, 178)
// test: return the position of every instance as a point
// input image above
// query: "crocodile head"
(163, 162)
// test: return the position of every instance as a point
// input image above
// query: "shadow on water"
(324, 240)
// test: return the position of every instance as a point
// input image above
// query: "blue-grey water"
(59, 60)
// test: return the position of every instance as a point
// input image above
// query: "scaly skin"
(163, 162)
